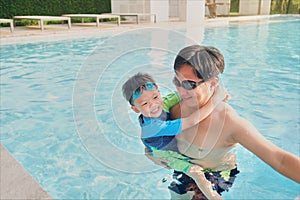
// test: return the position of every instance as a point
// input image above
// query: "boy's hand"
(227, 95)
(220, 94)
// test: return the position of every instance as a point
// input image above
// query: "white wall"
(182, 10)
(195, 10)
(173, 8)
(130, 6)
(191, 11)
(160, 8)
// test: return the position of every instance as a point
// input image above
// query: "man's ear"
(214, 81)
(135, 109)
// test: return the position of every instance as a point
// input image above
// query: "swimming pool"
(64, 118)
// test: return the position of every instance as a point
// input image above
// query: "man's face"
(198, 93)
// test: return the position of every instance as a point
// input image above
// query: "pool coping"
(16, 182)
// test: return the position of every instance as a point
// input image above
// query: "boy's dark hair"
(135, 82)
(207, 62)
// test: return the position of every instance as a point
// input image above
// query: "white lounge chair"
(41, 19)
(96, 16)
(10, 21)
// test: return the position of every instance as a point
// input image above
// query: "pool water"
(64, 119)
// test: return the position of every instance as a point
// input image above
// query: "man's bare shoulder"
(231, 113)
(235, 124)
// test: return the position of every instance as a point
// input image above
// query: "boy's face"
(150, 103)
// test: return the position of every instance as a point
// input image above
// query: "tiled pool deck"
(16, 182)
(61, 32)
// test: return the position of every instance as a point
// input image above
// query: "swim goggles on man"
(139, 91)
(187, 84)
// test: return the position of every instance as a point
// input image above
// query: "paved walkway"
(89, 30)
(61, 32)
(16, 182)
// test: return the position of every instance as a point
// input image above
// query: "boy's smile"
(150, 103)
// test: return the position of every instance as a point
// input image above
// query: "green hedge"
(277, 6)
(285, 7)
(10, 8)
(234, 6)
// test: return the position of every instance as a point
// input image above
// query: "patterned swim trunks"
(221, 181)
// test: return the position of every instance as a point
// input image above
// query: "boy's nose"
(150, 102)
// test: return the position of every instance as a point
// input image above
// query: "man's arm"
(247, 135)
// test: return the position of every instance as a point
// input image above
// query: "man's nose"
(181, 90)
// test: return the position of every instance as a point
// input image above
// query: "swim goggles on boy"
(187, 84)
(139, 91)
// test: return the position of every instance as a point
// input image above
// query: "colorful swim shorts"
(221, 181)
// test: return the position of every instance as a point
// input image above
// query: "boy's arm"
(204, 185)
(219, 95)
(170, 100)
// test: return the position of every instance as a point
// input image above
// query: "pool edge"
(16, 182)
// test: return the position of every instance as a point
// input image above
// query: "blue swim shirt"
(159, 132)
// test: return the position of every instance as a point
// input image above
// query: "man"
(208, 143)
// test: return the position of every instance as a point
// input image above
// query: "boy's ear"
(135, 109)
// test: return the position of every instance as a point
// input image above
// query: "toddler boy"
(159, 131)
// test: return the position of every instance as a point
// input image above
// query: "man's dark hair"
(207, 62)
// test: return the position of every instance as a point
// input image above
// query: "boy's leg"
(204, 185)
(184, 187)
(180, 163)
